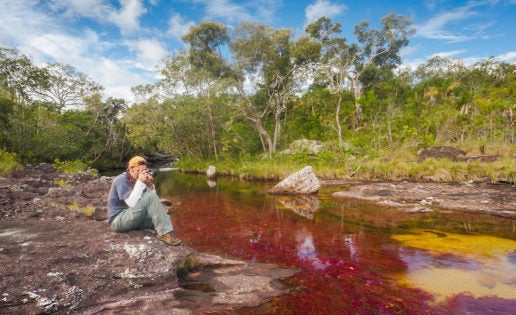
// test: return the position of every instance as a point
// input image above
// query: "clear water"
(354, 257)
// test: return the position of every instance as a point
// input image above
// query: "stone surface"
(301, 182)
(211, 173)
(479, 197)
(440, 152)
(312, 147)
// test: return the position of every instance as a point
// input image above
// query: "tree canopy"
(253, 89)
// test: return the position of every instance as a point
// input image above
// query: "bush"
(8, 163)
(71, 167)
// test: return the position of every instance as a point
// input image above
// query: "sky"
(121, 43)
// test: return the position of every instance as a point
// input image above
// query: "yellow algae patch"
(476, 265)
(442, 243)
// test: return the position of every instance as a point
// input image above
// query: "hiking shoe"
(169, 239)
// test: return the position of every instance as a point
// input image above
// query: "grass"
(394, 164)
(61, 183)
(72, 167)
(74, 206)
(8, 163)
(89, 211)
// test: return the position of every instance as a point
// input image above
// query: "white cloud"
(127, 18)
(434, 28)
(447, 54)
(45, 38)
(115, 77)
(509, 56)
(226, 10)
(323, 8)
(260, 11)
(177, 27)
(19, 19)
(75, 8)
(149, 53)
(439, 26)
(408, 50)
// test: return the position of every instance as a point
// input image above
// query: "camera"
(151, 172)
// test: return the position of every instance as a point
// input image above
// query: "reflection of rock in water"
(303, 205)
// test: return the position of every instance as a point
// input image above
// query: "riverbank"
(396, 165)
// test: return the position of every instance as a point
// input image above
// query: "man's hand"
(145, 177)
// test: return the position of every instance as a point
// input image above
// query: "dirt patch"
(58, 255)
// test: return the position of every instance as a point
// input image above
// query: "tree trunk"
(263, 133)
(357, 91)
(277, 127)
(212, 133)
(337, 120)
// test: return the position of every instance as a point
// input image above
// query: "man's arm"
(136, 194)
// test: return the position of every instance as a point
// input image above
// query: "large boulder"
(312, 147)
(211, 173)
(301, 182)
(440, 152)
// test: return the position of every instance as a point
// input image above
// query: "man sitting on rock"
(134, 204)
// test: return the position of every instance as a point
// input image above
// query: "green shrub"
(8, 163)
(71, 167)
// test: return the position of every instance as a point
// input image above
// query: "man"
(134, 204)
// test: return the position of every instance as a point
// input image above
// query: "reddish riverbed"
(352, 257)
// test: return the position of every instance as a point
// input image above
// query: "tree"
(65, 86)
(271, 60)
(378, 48)
(7, 106)
(208, 68)
(106, 129)
(375, 49)
(19, 76)
(336, 60)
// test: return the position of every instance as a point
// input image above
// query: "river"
(353, 257)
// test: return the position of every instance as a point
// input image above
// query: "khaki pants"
(148, 213)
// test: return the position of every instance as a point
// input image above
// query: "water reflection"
(446, 278)
(303, 205)
(349, 243)
(306, 249)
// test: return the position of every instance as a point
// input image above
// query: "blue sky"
(119, 43)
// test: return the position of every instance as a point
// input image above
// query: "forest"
(238, 98)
